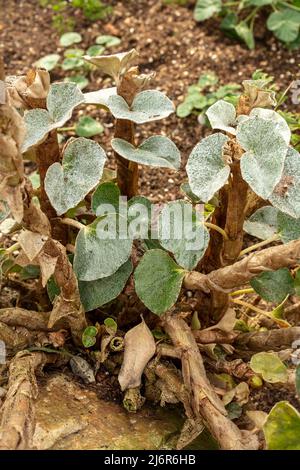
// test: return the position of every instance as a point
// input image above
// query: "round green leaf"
(285, 24)
(73, 53)
(68, 183)
(95, 50)
(286, 194)
(282, 428)
(269, 366)
(89, 336)
(222, 115)
(71, 63)
(157, 151)
(147, 106)
(265, 152)
(68, 39)
(108, 41)
(263, 223)
(158, 281)
(80, 80)
(49, 62)
(273, 286)
(105, 193)
(97, 257)
(187, 237)
(88, 127)
(206, 170)
(270, 115)
(94, 294)
(205, 9)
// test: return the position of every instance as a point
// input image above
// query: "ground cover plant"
(88, 246)
(239, 18)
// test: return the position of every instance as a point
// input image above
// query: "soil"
(170, 43)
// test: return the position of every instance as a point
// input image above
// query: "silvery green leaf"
(105, 193)
(157, 151)
(38, 125)
(97, 257)
(108, 40)
(147, 106)
(288, 227)
(94, 294)
(206, 170)
(265, 152)
(48, 62)
(61, 100)
(263, 223)
(286, 194)
(115, 64)
(282, 126)
(68, 39)
(68, 183)
(182, 232)
(158, 281)
(100, 97)
(222, 115)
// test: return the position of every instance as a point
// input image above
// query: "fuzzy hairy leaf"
(147, 106)
(282, 428)
(157, 151)
(270, 115)
(263, 223)
(273, 286)
(288, 227)
(206, 170)
(82, 166)
(96, 257)
(158, 281)
(222, 115)
(61, 100)
(38, 124)
(269, 366)
(265, 152)
(286, 194)
(188, 238)
(94, 294)
(100, 97)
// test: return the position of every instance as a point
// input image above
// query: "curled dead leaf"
(139, 349)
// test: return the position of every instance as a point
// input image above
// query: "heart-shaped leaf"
(68, 183)
(222, 115)
(269, 366)
(265, 152)
(96, 255)
(207, 172)
(49, 62)
(273, 286)
(263, 223)
(205, 9)
(68, 39)
(285, 24)
(108, 41)
(114, 65)
(282, 428)
(158, 281)
(157, 151)
(88, 127)
(94, 294)
(147, 106)
(270, 115)
(61, 100)
(286, 194)
(182, 232)
(105, 193)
